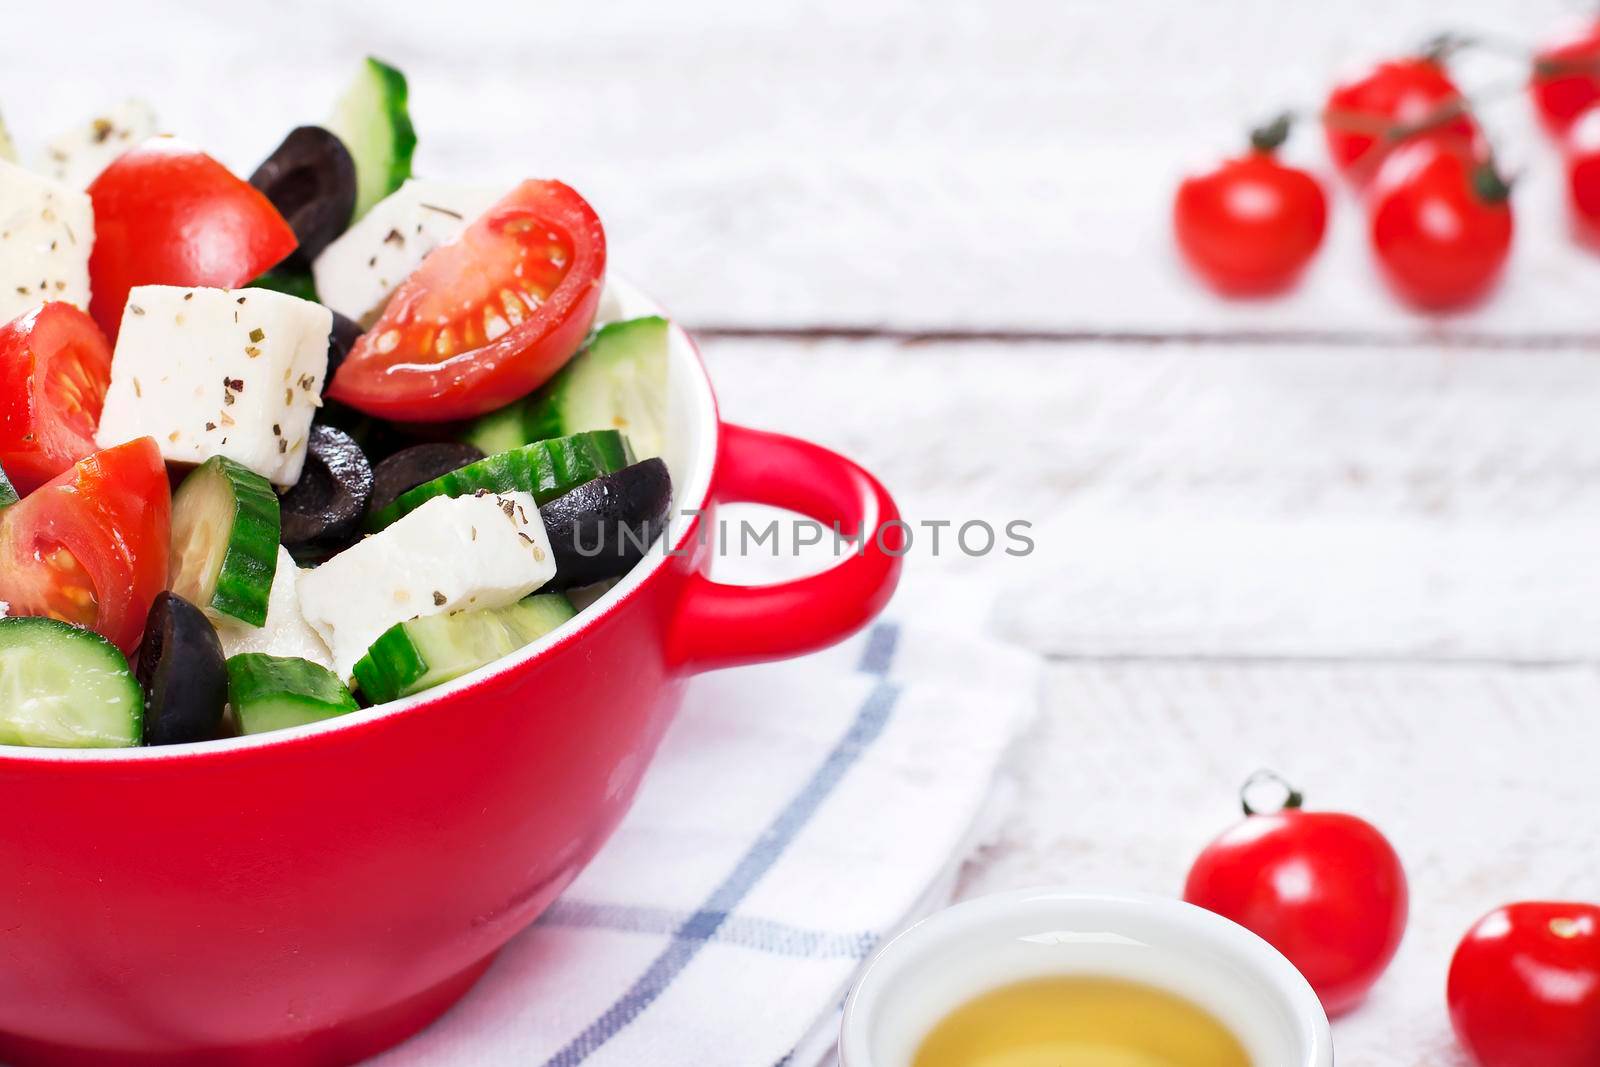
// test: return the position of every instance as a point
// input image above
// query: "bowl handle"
(721, 625)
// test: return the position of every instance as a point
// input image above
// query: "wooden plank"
(1215, 500)
(1473, 773)
(1007, 165)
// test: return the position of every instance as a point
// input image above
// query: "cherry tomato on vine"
(1323, 888)
(1582, 144)
(1363, 119)
(1441, 223)
(1250, 226)
(1524, 986)
(1566, 78)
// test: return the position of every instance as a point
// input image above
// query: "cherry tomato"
(1582, 143)
(1324, 889)
(1360, 115)
(1251, 225)
(90, 547)
(488, 317)
(1441, 223)
(168, 214)
(1566, 78)
(1524, 987)
(55, 366)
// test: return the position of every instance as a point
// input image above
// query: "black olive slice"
(182, 673)
(602, 528)
(311, 180)
(323, 512)
(411, 467)
(341, 340)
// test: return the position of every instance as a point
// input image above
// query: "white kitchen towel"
(796, 815)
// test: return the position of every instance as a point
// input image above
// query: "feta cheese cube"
(46, 233)
(219, 372)
(8, 150)
(285, 633)
(79, 155)
(357, 273)
(451, 554)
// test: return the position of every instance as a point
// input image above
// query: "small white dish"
(947, 959)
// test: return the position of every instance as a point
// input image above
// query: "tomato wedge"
(55, 366)
(91, 547)
(487, 318)
(165, 213)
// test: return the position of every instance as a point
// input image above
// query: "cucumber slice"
(618, 381)
(62, 686)
(276, 692)
(547, 469)
(420, 654)
(499, 431)
(225, 540)
(374, 124)
(8, 493)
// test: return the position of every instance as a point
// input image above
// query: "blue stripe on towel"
(690, 937)
(879, 653)
(762, 935)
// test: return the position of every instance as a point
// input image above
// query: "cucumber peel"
(547, 469)
(225, 540)
(62, 686)
(8, 492)
(373, 121)
(276, 692)
(412, 656)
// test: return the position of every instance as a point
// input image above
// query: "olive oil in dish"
(1080, 1021)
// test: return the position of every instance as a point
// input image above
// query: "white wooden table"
(1321, 533)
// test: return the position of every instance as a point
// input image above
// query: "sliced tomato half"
(55, 367)
(91, 546)
(165, 213)
(487, 318)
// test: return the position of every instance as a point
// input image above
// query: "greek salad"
(278, 448)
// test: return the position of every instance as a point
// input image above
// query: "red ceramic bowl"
(315, 895)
